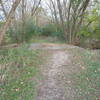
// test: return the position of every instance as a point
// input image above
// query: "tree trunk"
(3, 9)
(54, 12)
(61, 18)
(23, 21)
(3, 29)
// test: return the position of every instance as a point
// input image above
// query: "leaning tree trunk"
(3, 29)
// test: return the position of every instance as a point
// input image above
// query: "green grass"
(88, 81)
(18, 68)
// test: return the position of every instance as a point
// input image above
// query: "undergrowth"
(18, 68)
(88, 81)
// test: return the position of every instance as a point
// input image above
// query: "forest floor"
(61, 65)
(49, 71)
(56, 73)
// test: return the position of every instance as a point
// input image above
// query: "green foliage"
(84, 31)
(50, 30)
(19, 66)
(91, 26)
(31, 29)
(20, 34)
(1, 23)
(14, 33)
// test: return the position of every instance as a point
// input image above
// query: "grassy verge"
(88, 81)
(18, 68)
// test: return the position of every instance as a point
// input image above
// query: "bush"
(50, 30)
(90, 36)
(16, 34)
(30, 29)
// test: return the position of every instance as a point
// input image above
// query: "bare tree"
(35, 8)
(8, 20)
(71, 14)
(54, 11)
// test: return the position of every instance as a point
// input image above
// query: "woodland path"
(57, 82)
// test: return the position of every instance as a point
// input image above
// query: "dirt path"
(56, 83)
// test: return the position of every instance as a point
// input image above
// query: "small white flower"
(17, 89)
(22, 82)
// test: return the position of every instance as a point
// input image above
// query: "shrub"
(30, 29)
(90, 34)
(50, 30)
